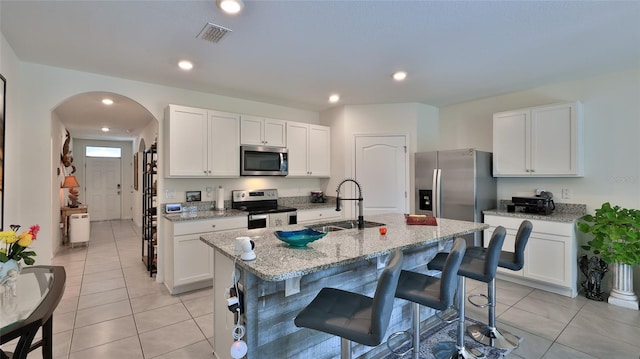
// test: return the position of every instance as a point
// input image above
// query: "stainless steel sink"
(340, 225)
(323, 228)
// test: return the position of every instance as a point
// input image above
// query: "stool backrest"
(449, 278)
(522, 237)
(384, 296)
(493, 252)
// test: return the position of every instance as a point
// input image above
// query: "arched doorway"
(79, 123)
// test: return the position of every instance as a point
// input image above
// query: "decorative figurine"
(593, 269)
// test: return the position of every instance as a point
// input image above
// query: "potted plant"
(616, 239)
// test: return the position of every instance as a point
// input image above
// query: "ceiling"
(297, 52)
(84, 115)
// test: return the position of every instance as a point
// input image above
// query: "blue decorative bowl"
(299, 238)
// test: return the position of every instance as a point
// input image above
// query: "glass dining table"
(38, 292)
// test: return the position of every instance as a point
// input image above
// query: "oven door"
(258, 221)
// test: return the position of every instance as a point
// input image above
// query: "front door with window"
(103, 189)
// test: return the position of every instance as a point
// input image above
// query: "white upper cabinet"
(309, 150)
(543, 141)
(224, 144)
(262, 131)
(202, 143)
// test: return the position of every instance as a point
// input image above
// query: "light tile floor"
(113, 309)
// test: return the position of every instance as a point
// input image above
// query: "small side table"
(65, 212)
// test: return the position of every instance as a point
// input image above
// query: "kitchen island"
(282, 280)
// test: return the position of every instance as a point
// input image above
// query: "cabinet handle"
(205, 172)
(209, 171)
(213, 226)
(533, 170)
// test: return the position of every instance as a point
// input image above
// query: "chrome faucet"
(359, 199)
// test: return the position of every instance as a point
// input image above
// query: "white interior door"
(104, 188)
(381, 169)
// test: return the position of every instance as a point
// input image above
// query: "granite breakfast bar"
(282, 280)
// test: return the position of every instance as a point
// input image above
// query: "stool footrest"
(484, 305)
(397, 340)
(452, 318)
(449, 350)
(493, 337)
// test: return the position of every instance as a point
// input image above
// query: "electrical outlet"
(566, 193)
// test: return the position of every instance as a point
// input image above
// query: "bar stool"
(352, 316)
(433, 292)
(481, 269)
(489, 334)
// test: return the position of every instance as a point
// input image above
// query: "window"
(111, 152)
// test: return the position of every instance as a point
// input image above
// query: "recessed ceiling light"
(399, 75)
(105, 129)
(230, 6)
(107, 101)
(334, 98)
(185, 65)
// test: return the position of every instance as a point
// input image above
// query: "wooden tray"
(420, 219)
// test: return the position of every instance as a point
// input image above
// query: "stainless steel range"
(263, 209)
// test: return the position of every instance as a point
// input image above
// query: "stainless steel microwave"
(264, 161)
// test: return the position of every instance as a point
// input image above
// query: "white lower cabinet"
(188, 261)
(550, 255)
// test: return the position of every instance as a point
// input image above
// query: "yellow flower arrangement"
(16, 244)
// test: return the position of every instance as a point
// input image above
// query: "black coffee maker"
(542, 204)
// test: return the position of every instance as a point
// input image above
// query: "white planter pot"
(622, 293)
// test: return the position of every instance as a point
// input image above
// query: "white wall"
(30, 175)
(428, 128)
(380, 119)
(149, 135)
(611, 138)
(611, 132)
(58, 136)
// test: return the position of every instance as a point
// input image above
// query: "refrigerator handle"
(434, 185)
(439, 193)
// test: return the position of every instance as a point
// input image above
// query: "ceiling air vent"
(212, 32)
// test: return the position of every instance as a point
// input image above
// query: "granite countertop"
(277, 261)
(310, 206)
(186, 216)
(564, 212)
(553, 217)
(229, 212)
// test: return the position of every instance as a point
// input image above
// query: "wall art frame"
(3, 96)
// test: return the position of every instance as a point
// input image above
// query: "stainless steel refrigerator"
(455, 184)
